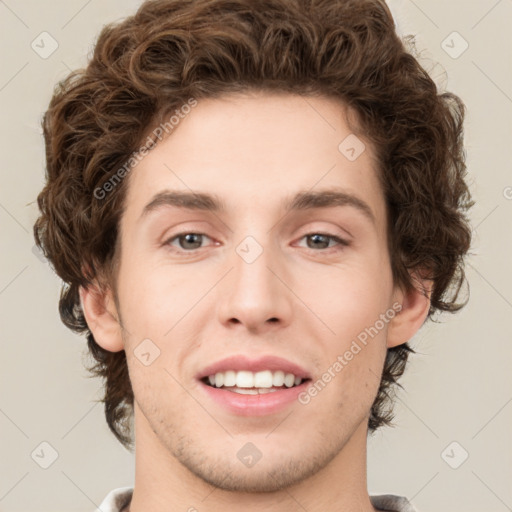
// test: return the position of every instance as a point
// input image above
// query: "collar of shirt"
(117, 499)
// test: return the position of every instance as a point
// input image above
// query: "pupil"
(320, 237)
(189, 239)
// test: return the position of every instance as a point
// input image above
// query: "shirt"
(119, 498)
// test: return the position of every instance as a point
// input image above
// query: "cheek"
(153, 296)
(348, 299)
(158, 308)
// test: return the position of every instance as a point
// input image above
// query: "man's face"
(256, 280)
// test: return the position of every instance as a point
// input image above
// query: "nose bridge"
(251, 266)
(253, 294)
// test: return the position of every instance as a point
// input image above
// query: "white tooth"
(262, 391)
(229, 378)
(245, 391)
(289, 379)
(263, 379)
(245, 379)
(278, 378)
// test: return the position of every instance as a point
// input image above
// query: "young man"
(255, 205)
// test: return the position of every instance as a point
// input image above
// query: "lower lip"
(254, 405)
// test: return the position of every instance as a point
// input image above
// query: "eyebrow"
(303, 200)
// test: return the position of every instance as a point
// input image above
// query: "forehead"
(254, 150)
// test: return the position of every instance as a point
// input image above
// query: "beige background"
(458, 389)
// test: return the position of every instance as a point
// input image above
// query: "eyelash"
(341, 242)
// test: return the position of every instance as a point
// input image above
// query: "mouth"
(246, 387)
(253, 383)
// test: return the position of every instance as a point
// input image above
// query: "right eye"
(187, 241)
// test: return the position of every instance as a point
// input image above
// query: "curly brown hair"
(149, 64)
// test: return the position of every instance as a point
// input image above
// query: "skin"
(253, 151)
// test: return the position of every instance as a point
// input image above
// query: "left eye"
(322, 241)
(191, 241)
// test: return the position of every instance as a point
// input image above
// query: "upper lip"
(241, 362)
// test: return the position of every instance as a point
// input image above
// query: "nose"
(255, 294)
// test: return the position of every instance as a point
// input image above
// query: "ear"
(415, 307)
(102, 316)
